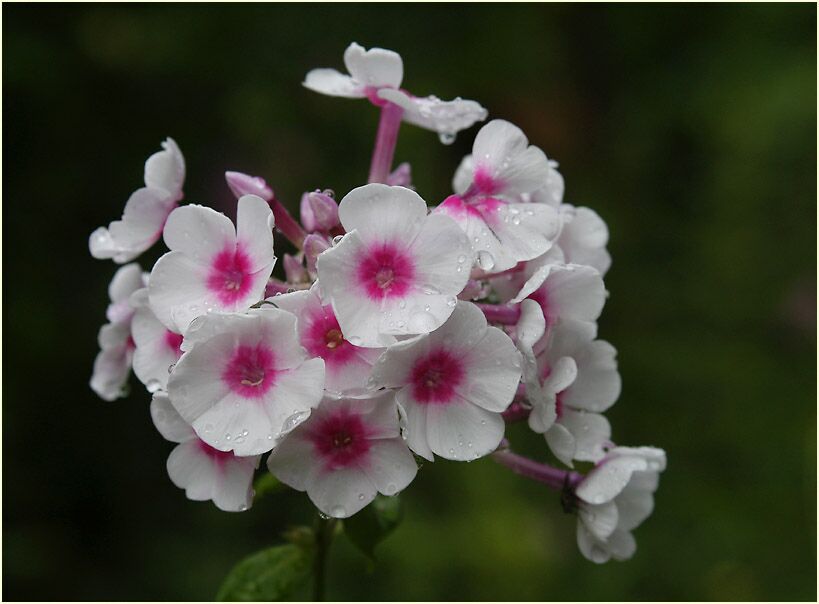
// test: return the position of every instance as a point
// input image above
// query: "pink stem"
(505, 314)
(554, 478)
(385, 140)
(286, 224)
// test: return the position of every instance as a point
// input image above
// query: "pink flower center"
(385, 272)
(435, 377)
(174, 342)
(485, 183)
(215, 454)
(251, 371)
(541, 297)
(323, 338)
(229, 277)
(341, 439)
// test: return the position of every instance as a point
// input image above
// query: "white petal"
(383, 213)
(199, 232)
(178, 291)
(496, 142)
(166, 169)
(341, 493)
(606, 480)
(583, 238)
(376, 67)
(572, 291)
(168, 421)
(494, 371)
(592, 549)
(598, 383)
(234, 491)
(622, 545)
(333, 83)
(525, 173)
(293, 461)
(111, 369)
(463, 175)
(254, 223)
(561, 442)
(634, 505)
(126, 281)
(552, 192)
(462, 431)
(591, 431)
(153, 356)
(413, 424)
(525, 230)
(562, 375)
(432, 113)
(600, 520)
(393, 367)
(394, 467)
(443, 255)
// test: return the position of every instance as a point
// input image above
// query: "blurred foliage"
(689, 128)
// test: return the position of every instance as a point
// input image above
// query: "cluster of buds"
(397, 333)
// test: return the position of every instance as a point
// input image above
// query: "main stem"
(385, 140)
(324, 537)
(554, 478)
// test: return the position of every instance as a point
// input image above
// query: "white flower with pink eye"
(243, 380)
(579, 381)
(376, 74)
(614, 498)
(453, 383)
(211, 265)
(501, 229)
(397, 271)
(204, 472)
(349, 450)
(146, 210)
(563, 291)
(157, 349)
(347, 367)
(113, 363)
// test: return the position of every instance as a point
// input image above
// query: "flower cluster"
(397, 333)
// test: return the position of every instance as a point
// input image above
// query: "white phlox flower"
(615, 498)
(349, 450)
(243, 380)
(397, 271)
(347, 367)
(113, 363)
(204, 472)
(453, 384)
(212, 266)
(377, 74)
(146, 210)
(502, 230)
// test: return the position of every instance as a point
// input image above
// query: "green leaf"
(272, 574)
(373, 524)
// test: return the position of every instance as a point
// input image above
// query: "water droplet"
(323, 516)
(361, 497)
(329, 193)
(338, 511)
(515, 219)
(243, 508)
(337, 239)
(431, 290)
(227, 437)
(485, 260)
(422, 322)
(462, 258)
(451, 301)
(402, 304)
(208, 428)
(446, 138)
(452, 451)
(171, 368)
(153, 385)
(483, 422)
(426, 308)
(391, 489)
(354, 340)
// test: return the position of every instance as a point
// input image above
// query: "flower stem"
(286, 224)
(385, 140)
(505, 314)
(554, 478)
(325, 530)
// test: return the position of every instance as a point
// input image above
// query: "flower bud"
(401, 176)
(313, 246)
(319, 211)
(294, 269)
(244, 184)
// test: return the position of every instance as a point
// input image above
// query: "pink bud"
(401, 176)
(319, 211)
(294, 269)
(244, 184)
(314, 245)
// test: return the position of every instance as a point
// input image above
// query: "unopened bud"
(244, 184)
(319, 211)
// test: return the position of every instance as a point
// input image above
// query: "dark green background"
(690, 129)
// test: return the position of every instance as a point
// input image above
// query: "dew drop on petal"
(354, 340)
(485, 260)
(337, 239)
(451, 301)
(430, 290)
(446, 138)
(153, 385)
(338, 511)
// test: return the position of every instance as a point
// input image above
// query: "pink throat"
(436, 376)
(341, 439)
(385, 272)
(215, 454)
(229, 277)
(322, 337)
(174, 342)
(251, 371)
